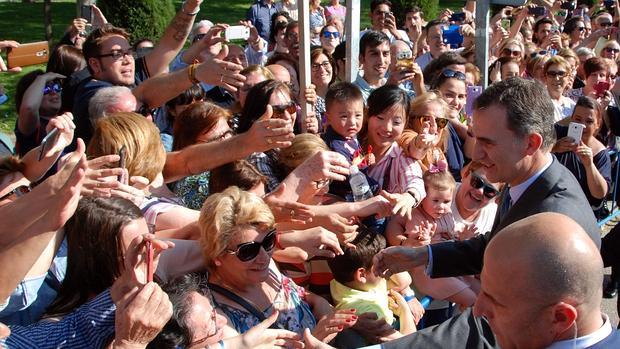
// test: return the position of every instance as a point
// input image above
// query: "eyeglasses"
(119, 54)
(556, 74)
(513, 53)
(328, 35)
(534, 54)
(325, 65)
(612, 50)
(146, 111)
(17, 192)
(52, 87)
(440, 122)
(478, 182)
(249, 250)
(449, 73)
(198, 37)
(291, 108)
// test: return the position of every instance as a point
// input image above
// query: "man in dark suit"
(513, 129)
(541, 286)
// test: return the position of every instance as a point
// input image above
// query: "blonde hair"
(303, 147)
(558, 60)
(146, 156)
(225, 214)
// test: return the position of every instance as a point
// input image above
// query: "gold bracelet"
(191, 73)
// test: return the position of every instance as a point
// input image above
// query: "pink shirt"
(402, 172)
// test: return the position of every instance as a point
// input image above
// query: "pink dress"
(332, 12)
(440, 288)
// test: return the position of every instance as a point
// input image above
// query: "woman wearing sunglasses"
(37, 99)
(576, 29)
(330, 38)
(451, 86)
(238, 239)
(558, 78)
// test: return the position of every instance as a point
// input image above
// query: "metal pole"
(304, 57)
(352, 29)
(482, 39)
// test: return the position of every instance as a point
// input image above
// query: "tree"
(429, 7)
(141, 18)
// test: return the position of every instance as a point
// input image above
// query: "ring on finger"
(269, 141)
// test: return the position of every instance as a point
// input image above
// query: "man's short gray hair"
(103, 99)
(204, 23)
(584, 51)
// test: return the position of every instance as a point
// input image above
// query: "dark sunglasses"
(146, 111)
(612, 50)
(478, 182)
(53, 87)
(556, 74)
(198, 37)
(581, 28)
(119, 54)
(449, 73)
(605, 24)
(534, 54)
(328, 35)
(17, 192)
(440, 122)
(291, 108)
(249, 250)
(513, 53)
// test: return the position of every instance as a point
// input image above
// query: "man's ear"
(534, 143)
(95, 65)
(564, 318)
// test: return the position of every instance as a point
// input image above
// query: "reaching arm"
(28, 120)
(173, 39)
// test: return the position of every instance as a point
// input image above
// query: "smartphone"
(601, 87)
(457, 17)
(472, 93)
(237, 32)
(537, 11)
(404, 61)
(506, 23)
(122, 153)
(568, 5)
(575, 131)
(452, 36)
(86, 12)
(555, 29)
(28, 54)
(48, 142)
(148, 258)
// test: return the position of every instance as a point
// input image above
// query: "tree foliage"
(430, 8)
(141, 18)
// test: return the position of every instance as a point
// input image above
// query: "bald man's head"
(557, 254)
(279, 72)
(541, 282)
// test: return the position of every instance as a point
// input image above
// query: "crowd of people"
(235, 218)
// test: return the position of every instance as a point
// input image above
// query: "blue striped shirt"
(90, 326)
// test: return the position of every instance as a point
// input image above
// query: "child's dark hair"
(372, 39)
(342, 92)
(367, 245)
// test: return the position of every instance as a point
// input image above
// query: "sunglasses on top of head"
(478, 182)
(449, 73)
(247, 251)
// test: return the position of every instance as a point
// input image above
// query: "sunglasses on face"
(17, 192)
(612, 50)
(478, 182)
(119, 54)
(198, 37)
(534, 54)
(513, 53)
(556, 74)
(440, 122)
(53, 87)
(291, 108)
(249, 250)
(328, 35)
(581, 28)
(449, 73)
(605, 24)
(146, 111)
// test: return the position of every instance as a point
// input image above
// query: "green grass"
(24, 23)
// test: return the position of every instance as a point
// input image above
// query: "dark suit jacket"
(556, 190)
